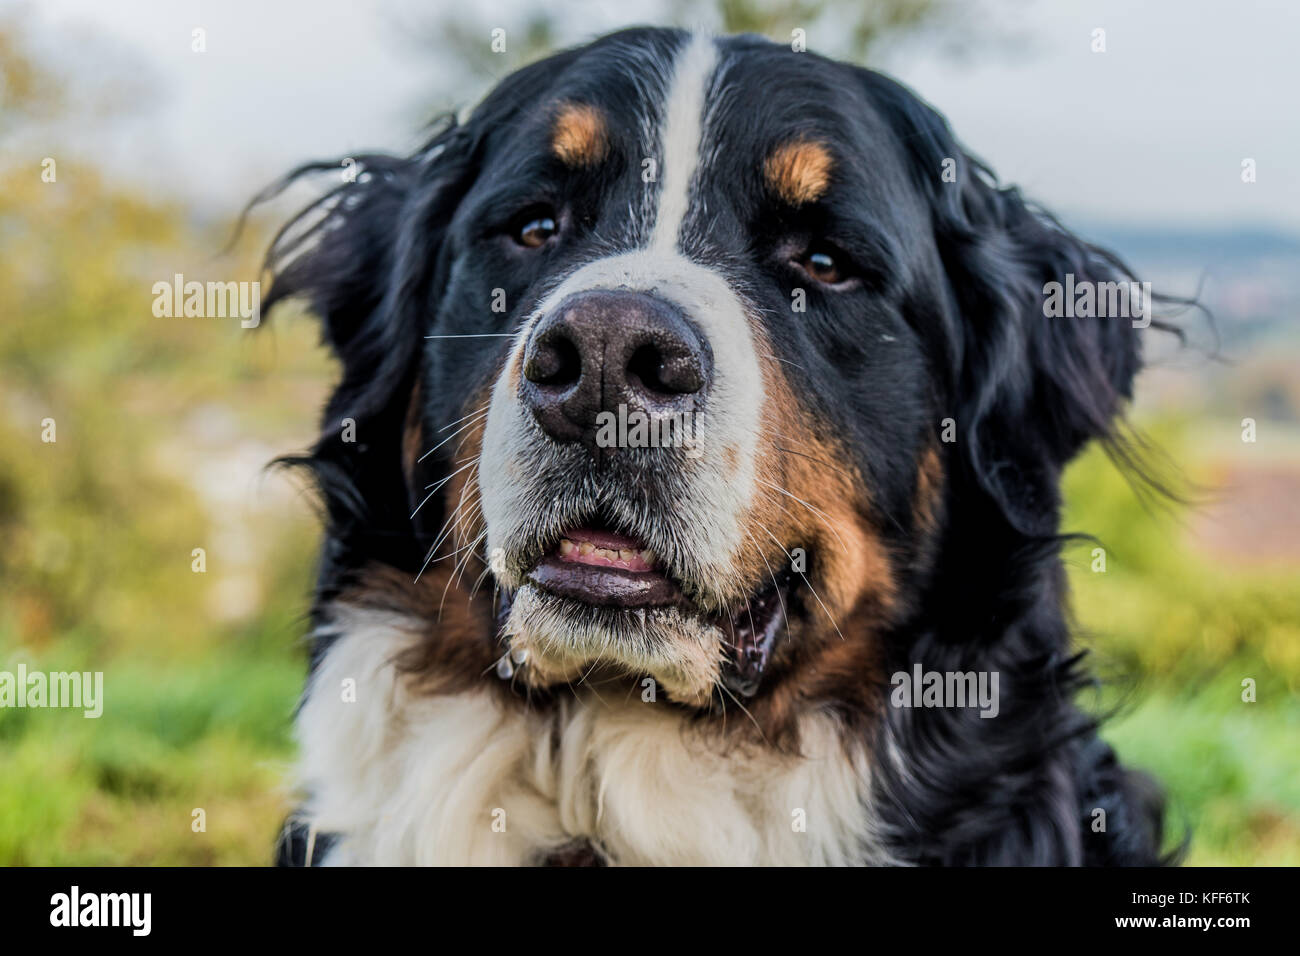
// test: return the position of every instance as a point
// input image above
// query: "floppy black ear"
(365, 259)
(1028, 389)
(1035, 384)
(364, 255)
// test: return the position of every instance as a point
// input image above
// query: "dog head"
(705, 357)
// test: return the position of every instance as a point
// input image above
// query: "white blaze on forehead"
(683, 127)
(722, 483)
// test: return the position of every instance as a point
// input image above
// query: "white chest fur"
(406, 779)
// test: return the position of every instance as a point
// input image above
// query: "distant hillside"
(1195, 248)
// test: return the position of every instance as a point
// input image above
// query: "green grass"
(1175, 632)
(1226, 768)
(122, 788)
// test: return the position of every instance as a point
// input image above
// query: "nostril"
(677, 374)
(556, 362)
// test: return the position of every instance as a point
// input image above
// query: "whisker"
(825, 518)
(474, 515)
(770, 353)
(452, 554)
(469, 433)
(478, 583)
(451, 578)
(477, 335)
(772, 574)
(805, 581)
(591, 688)
(744, 710)
(446, 529)
(482, 408)
(475, 511)
(436, 485)
(462, 428)
(722, 703)
(441, 481)
(820, 461)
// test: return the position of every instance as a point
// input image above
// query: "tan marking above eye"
(799, 171)
(579, 136)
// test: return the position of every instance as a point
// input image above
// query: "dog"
(691, 483)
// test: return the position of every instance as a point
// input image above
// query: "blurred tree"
(98, 523)
(845, 29)
(26, 89)
(853, 26)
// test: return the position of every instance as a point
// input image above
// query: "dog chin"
(555, 640)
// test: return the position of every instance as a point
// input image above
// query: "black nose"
(601, 349)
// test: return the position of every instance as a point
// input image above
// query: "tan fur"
(799, 171)
(451, 646)
(578, 135)
(929, 490)
(412, 436)
(832, 655)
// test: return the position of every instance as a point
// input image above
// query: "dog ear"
(365, 259)
(362, 257)
(1028, 386)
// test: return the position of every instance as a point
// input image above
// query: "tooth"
(626, 554)
(586, 548)
(648, 556)
(566, 546)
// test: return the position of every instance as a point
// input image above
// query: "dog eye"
(825, 264)
(535, 230)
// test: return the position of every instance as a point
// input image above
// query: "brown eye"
(536, 231)
(823, 266)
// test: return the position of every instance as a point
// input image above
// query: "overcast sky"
(1152, 131)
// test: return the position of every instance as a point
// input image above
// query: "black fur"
(954, 276)
(1029, 393)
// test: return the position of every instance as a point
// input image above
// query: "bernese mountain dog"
(692, 483)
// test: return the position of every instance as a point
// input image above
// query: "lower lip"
(604, 586)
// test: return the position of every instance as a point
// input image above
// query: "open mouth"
(752, 631)
(605, 569)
